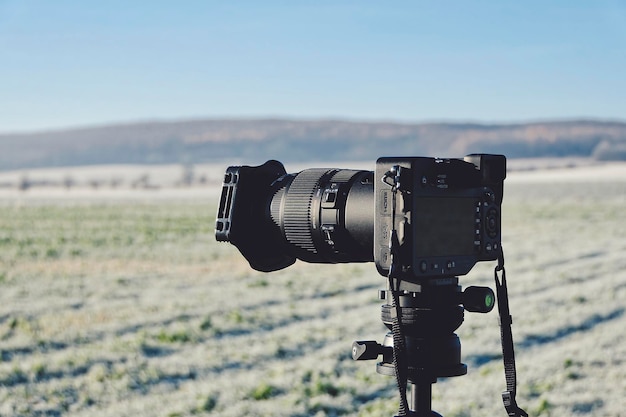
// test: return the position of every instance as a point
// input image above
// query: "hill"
(255, 140)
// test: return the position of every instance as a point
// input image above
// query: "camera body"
(444, 212)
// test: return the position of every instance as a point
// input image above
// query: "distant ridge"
(256, 140)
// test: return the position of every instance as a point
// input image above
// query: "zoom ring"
(297, 216)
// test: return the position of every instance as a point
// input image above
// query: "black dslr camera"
(423, 221)
(446, 214)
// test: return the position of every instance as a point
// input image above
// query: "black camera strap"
(506, 335)
(399, 353)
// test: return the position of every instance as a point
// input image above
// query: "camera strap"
(399, 352)
(506, 336)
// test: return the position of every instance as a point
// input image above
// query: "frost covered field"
(128, 307)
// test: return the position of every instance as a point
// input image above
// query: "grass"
(128, 308)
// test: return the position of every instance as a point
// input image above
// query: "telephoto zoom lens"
(325, 215)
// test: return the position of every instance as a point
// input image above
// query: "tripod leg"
(420, 402)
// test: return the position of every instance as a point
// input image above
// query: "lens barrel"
(325, 215)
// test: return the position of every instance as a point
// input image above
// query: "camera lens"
(325, 215)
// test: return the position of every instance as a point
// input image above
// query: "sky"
(68, 63)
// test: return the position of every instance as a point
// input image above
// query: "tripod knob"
(478, 299)
(366, 350)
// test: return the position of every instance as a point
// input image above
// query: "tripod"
(421, 345)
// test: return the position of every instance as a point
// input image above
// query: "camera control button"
(424, 266)
(451, 265)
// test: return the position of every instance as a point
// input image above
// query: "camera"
(444, 213)
(423, 221)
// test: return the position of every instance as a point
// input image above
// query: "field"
(128, 307)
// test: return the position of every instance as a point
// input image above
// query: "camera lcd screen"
(444, 226)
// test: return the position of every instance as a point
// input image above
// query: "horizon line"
(346, 119)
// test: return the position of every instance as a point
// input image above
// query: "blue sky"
(75, 63)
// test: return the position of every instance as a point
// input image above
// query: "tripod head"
(421, 319)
